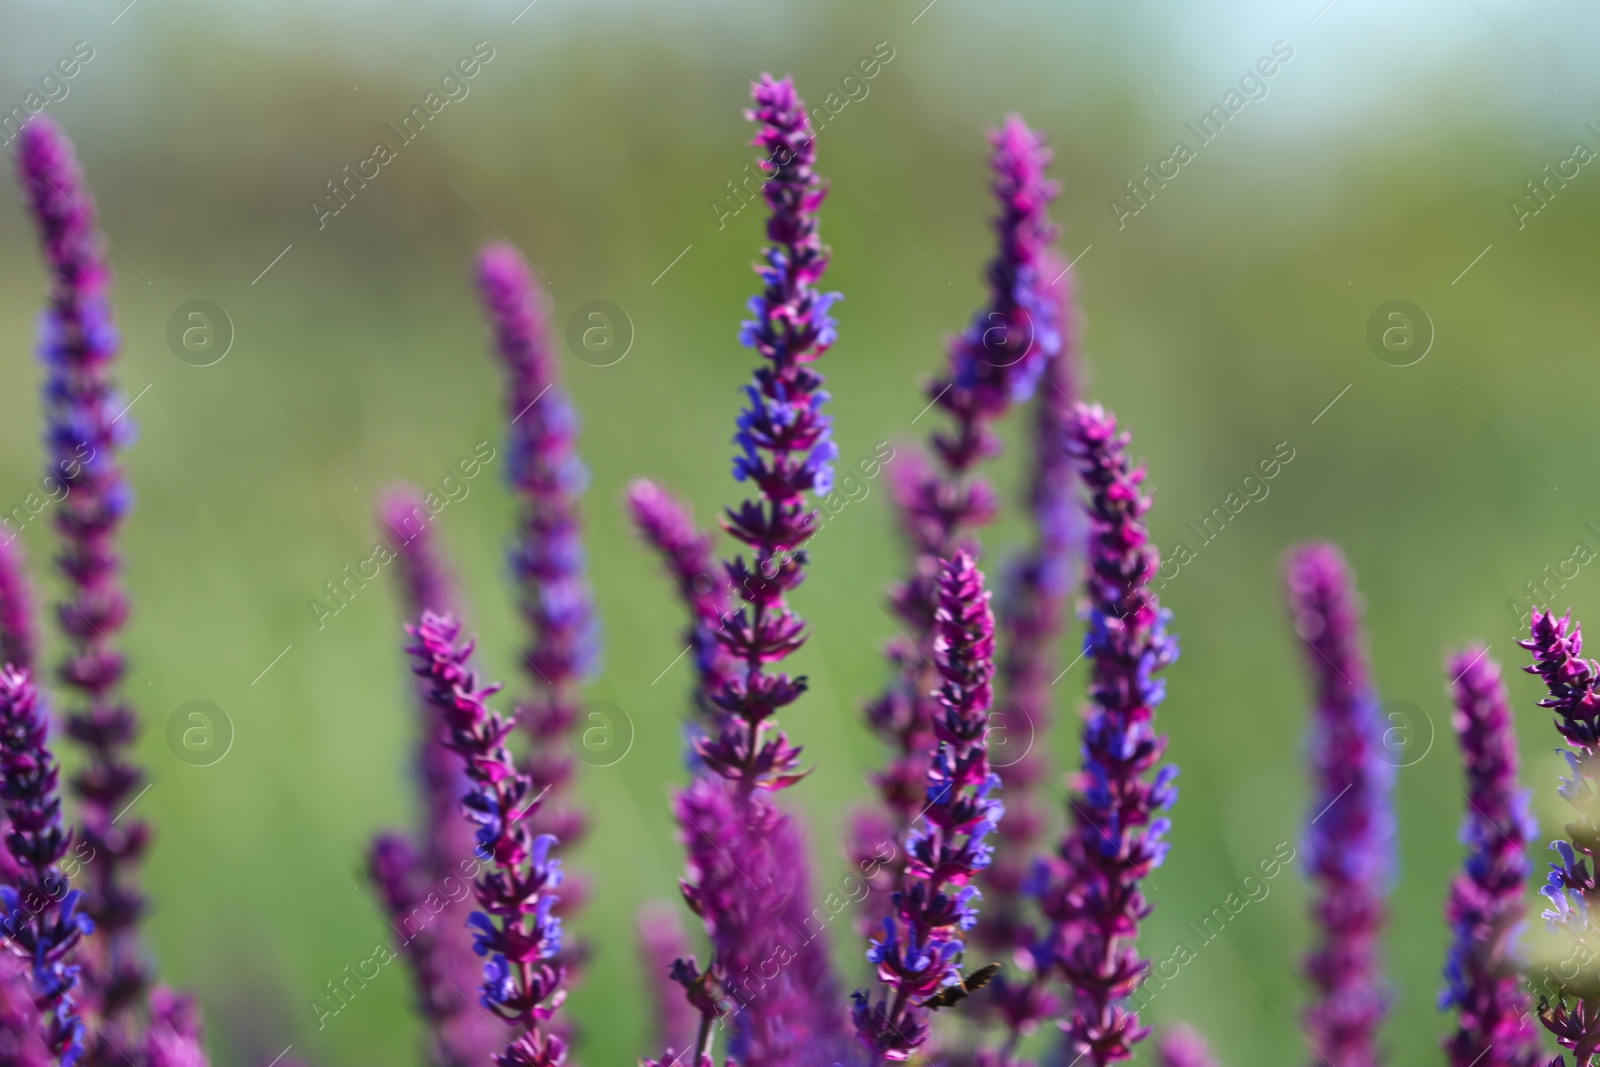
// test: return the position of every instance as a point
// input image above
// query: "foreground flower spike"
(43, 920)
(1557, 646)
(1485, 910)
(421, 887)
(515, 930)
(1351, 834)
(785, 451)
(1032, 611)
(665, 522)
(547, 556)
(918, 955)
(994, 364)
(1092, 894)
(173, 1038)
(86, 427)
(18, 640)
(1182, 1047)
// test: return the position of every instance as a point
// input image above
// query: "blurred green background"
(1219, 322)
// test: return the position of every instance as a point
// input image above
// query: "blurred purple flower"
(1182, 1047)
(1351, 836)
(173, 1036)
(18, 639)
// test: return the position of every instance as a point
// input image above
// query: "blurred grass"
(1212, 326)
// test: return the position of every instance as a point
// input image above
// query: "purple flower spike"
(547, 558)
(786, 451)
(1485, 909)
(1573, 895)
(86, 428)
(661, 944)
(1032, 611)
(919, 952)
(21, 1035)
(1352, 827)
(515, 929)
(995, 363)
(44, 919)
(1182, 1047)
(173, 1038)
(17, 638)
(667, 525)
(1092, 894)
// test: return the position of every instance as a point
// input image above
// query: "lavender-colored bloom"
(1573, 895)
(85, 430)
(919, 952)
(1485, 910)
(1182, 1047)
(18, 640)
(668, 526)
(992, 365)
(786, 450)
(1351, 835)
(661, 944)
(1032, 609)
(173, 1036)
(1092, 893)
(43, 917)
(515, 929)
(21, 1035)
(547, 557)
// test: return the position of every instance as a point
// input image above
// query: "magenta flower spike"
(86, 428)
(1573, 895)
(1031, 616)
(918, 955)
(515, 929)
(18, 640)
(173, 1037)
(995, 363)
(21, 1034)
(44, 920)
(1485, 910)
(1092, 894)
(662, 943)
(1351, 835)
(547, 557)
(1182, 1047)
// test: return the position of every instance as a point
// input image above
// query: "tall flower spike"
(85, 429)
(993, 364)
(432, 936)
(1495, 1026)
(1182, 1047)
(43, 916)
(785, 451)
(547, 556)
(1092, 894)
(918, 955)
(17, 637)
(1032, 611)
(515, 929)
(1572, 892)
(1351, 835)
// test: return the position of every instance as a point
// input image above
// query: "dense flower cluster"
(515, 930)
(86, 426)
(1351, 834)
(1092, 893)
(1485, 906)
(995, 363)
(919, 952)
(1572, 892)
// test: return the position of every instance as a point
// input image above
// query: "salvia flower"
(86, 427)
(1495, 1026)
(515, 929)
(546, 558)
(996, 362)
(662, 944)
(920, 949)
(44, 919)
(1351, 835)
(1092, 895)
(785, 451)
(173, 1036)
(1182, 1047)
(17, 638)
(21, 1035)
(1571, 892)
